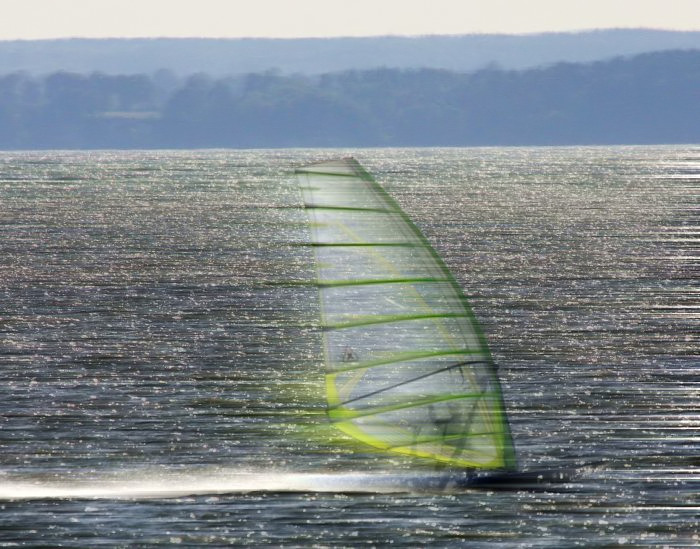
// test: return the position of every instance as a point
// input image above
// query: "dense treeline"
(651, 98)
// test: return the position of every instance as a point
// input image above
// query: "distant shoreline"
(225, 57)
(646, 99)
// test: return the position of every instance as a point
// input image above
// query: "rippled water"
(160, 361)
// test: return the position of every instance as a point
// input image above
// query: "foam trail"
(141, 485)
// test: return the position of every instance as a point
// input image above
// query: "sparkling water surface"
(161, 366)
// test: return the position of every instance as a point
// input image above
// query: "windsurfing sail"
(407, 367)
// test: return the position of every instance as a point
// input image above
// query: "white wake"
(150, 484)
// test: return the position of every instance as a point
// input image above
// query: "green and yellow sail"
(407, 367)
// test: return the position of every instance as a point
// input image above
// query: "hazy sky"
(31, 19)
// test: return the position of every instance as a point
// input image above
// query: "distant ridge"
(651, 98)
(221, 57)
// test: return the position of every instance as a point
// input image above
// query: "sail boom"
(412, 380)
(340, 413)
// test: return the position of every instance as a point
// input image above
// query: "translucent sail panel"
(407, 369)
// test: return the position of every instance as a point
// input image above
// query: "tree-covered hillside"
(651, 98)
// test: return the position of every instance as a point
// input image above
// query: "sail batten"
(368, 321)
(368, 282)
(407, 367)
(361, 244)
(347, 209)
